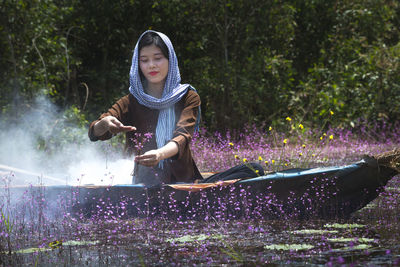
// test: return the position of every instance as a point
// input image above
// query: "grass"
(35, 232)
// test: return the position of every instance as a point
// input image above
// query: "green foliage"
(37, 57)
(68, 128)
(251, 61)
(357, 74)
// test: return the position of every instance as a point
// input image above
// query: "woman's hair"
(151, 38)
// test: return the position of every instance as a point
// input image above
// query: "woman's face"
(154, 65)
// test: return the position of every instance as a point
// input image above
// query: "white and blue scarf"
(172, 93)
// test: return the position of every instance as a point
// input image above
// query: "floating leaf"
(351, 239)
(392, 189)
(289, 247)
(66, 243)
(80, 243)
(32, 250)
(344, 226)
(358, 247)
(192, 238)
(314, 232)
(369, 206)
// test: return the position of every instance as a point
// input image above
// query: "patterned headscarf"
(172, 93)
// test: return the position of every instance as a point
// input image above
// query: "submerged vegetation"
(36, 232)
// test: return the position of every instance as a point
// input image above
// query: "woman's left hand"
(150, 158)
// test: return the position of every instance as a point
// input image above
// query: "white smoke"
(45, 147)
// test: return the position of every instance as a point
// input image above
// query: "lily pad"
(344, 226)
(314, 232)
(351, 239)
(289, 247)
(79, 243)
(369, 206)
(66, 243)
(348, 248)
(393, 189)
(192, 238)
(32, 250)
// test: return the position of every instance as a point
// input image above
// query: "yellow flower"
(231, 144)
(313, 155)
(300, 154)
(285, 141)
(236, 157)
(301, 126)
(272, 161)
(270, 128)
(288, 119)
(260, 158)
(331, 112)
(244, 160)
(304, 146)
(55, 244)
(286, 164)
(324, 134)
(321, 137)
(266, 162)
(331, 137)
(257, 171)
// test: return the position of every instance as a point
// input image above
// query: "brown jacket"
(181, 167)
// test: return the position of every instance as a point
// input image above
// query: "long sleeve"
(186, 122)
(119, 110)
(181, 167)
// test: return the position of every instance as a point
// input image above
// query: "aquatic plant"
(230, 230)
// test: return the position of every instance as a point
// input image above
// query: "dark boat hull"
(332, 192)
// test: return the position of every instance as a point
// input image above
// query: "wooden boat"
(296, 193)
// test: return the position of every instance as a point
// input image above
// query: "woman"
(167, 110)
(157, 104)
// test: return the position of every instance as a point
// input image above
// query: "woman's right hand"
(112, 124)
